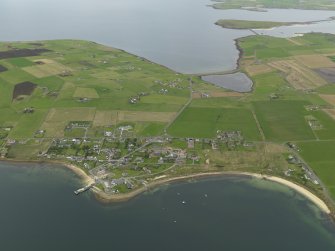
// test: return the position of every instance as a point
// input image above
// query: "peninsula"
(247, 24)
(127, 124)
(261, 5)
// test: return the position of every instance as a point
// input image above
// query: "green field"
(202, 122)
(283, 120)
(266, 47)
(320, 156)
(247, 24)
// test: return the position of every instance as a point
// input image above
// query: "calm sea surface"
(40, 212)
(179, 34)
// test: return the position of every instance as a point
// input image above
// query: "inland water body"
(238, 82)
(40, 212)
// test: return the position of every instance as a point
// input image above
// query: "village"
(120, 161)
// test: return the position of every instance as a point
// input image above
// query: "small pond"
(238, 82)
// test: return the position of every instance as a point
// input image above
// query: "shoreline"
(110, 198)
(106, 198)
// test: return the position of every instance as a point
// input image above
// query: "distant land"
(260, 5)
(126, 124)
(248, 24)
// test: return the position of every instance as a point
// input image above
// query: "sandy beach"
(161, 180)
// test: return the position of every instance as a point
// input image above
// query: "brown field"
(315, 61)
(58, 118)
(47, 69)
(330, 112)
(253, 70)
(299, 76)
(328, 98)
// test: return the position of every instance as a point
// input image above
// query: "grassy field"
(320, 156)
(266, 47)
(203, 122)
(283, 120)
(247, 24)
(283, 4)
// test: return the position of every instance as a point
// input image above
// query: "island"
(260, 5)
(248, 24)
(126, 124)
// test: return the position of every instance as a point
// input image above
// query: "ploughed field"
(124, 119)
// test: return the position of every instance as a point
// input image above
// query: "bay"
(40, 212)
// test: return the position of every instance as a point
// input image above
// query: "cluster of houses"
(308, 174)
(29, 110)
(231, 138)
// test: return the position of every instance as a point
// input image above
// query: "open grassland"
(82, 92)
(257, 5)
(28, 124)
(283, 120)
(320, 156)
(203, 122)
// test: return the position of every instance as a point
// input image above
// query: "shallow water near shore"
(39, 209)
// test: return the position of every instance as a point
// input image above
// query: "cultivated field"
(328, 98)
(45, 70)
(315, 61)
(298, 76)
(202, 122)
(256, 69)
(330, 112)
